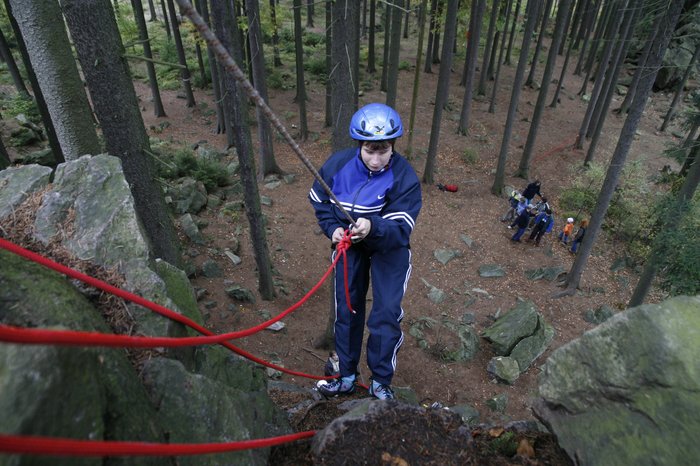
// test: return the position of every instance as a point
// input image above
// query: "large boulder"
(18, 183)
(628, 391)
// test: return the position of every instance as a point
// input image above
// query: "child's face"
(376, 155)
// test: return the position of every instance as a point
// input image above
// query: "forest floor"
(300, 254)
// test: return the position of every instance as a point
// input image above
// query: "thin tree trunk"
(276, 61)
(532, 16)
(562, 76)
(486, 64)
(98, 45)
(38, 96)
(166, 21)
(152, 11)
(673, 217)
(492, 58)
(431, 35)
(309, 13)
(604, 28)
(7, 57)
(535, 58)
(416, 77)
(687, 145)
(512, 32)
(185, 71)
(463, 127)
(668, 20)
(57, 74)
(394, 53)
(158, 109)
(301, 86)
(610, 86)
(408, 17)
(214, 68)
(438, 33)
(329, 62)
(638, 72)
(586, 35)
(4, 156)
(383, 85)
(494, 89)
(679, 90)
(563, 13)
(371, 60)
(226, 27)
(442, 90)
(470, 50)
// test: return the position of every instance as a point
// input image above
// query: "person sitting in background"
(566, 231)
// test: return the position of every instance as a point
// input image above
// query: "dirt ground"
(300, 254)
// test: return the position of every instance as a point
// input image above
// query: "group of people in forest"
(522, 215)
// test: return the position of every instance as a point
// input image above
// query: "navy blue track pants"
(389, 272)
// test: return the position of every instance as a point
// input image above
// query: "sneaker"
(335, 387)
(381, 391)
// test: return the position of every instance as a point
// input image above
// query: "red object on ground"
(451, 188)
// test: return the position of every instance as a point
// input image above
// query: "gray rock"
(240, 294)
(627, 391)
(211, 269)
(504, 369)
(498, 403)
(467, 240)
(548, 273)
(273, 184)
(18, 183)
(41, 157)
(511, 327)
(191, 229)
(532, 347)
(491, 270)
(598, 315)
(448, 340)
(266, 200)
(289, 178)
(445, 255)
(188, 194)
(232, 257)
(435, 295)
(469, 415)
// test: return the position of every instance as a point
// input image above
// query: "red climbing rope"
(16, 335)
(25, 444)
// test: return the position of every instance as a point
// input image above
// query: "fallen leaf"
(393, 460)
(496, 431)
(525, 449)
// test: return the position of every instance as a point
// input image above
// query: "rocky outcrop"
(188, 395)
(628, 391)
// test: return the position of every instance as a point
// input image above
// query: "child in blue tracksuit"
(522, 222)
(380, 190)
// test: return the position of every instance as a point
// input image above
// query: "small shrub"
(313, 39)
(185, 163)
(16, 104)
(404, 65)
(470, 157)
(280, 79)
(316, 66)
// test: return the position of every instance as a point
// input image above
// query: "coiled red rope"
(25, 444)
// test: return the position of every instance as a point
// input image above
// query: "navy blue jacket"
(390, 199)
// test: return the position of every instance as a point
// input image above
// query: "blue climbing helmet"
(375, 122)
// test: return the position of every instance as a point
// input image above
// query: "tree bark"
(474, 36)
(166, 21)
(226, 27)
(309, 13)
(416, 77)
(431, 35)
(486, 64)
(276, 61)
(535, 58)
(203, 7)
(4, 156)
(679, 90)
(57, 75)
(158, 109)
(494, 89)
(268, 165)
(512, 32)
(384, 83)
(532, 17)
(93, 28)
(329, 63)
(344, 70)
(7, 57)
(185, 71)
(394, 49)
(371, 61)
(152, 11)
(563, 13)
(301, 86)
(668, 20)
(442, 90)
(641, 63)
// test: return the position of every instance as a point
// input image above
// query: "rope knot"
(342, 247)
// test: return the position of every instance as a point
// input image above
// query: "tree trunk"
(641, 63)
(384, 83)
(345, 70)
(7, 57)
(203, 7)
(442, 90)
(532, 17)
(416, 77)
(494, 89)
(605, 26)
(535, 58)
(226, 26)
(492, 58)
(185, 71)
(158, 109)
(473, 7)
(436, 38)
(688, 145)
(371, 60)
(562, 15)
(268, 165)
(512, 32)
(329, 62)
(408, 18)
(679, 90)
(610, 85)
(38, 96)
(152, 11)
(585, 35)
(474, 36)
(667, 19)
(395, 48)
(562, 76)
(57, 74)
(4, 156)
(673, 217)
(616, 20)
(486, 64)
(166, 21)
(301, 86)
(276, 61)
(309, 13)
(431, 36)
(98, 45)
